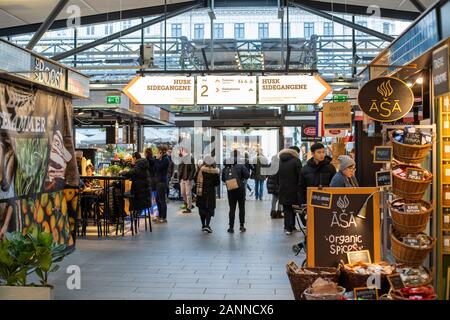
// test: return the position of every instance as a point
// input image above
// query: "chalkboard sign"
(362, 256)
(382, 154)
(335, 231)
(321, 199)
(413, 138)
(396, 282)
(383, 178)
(414, 174)
(412, 207)
(366, 293)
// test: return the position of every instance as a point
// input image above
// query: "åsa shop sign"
(385, 99)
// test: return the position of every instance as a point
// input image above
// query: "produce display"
(321, 286)
(402, 170)
(418, 241)
(370, 268)
(400, 206)
(417, 293)
(411, 134)
(413, 277)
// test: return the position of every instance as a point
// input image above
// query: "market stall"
(39, 176)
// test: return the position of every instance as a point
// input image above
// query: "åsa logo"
(385, 99)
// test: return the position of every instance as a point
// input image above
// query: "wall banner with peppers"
(37, 162)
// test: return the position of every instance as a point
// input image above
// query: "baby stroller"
(300, 217)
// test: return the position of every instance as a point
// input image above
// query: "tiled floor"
(178, 261)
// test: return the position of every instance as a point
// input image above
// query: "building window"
(90, 31)
(108, 29)
(328, 29)
(361, 23)
(218, 31)
(176, 30)
(309, 29)
(126, 24)
(239, 31)
(263, 30)
(199, 31)
(147, 30)
(387, 28)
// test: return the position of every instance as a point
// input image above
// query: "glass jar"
(446, 148)
(446, 195)
(446, 219)
(446, 125)
(446, 172)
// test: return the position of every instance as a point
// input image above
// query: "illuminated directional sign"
(226, 90)
(292, 89)
(161, 90)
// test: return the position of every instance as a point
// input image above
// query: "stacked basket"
(410, 192)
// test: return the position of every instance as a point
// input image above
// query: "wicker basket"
(300, 281)
(334, 296)
(409, 153)
(426, 283)
(351, 280)
(396, 296)
(409, 255)
(410, 222)
(410, 189)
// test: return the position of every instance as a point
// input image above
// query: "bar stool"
(133, 214)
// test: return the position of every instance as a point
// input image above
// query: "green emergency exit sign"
(340, 98)
(113, 99)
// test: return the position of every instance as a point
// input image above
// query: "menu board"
(225, 90)
(292, 89)
(334, 232)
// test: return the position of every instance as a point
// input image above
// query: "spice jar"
(446, 124)
(446, 104)
(446, 172)
(446, 195)
(446, 242)
(446, 148)
(446, 218)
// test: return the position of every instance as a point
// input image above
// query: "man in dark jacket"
(289, 184)
(186, 174)
(236, 196)
(273, 188)
(160, 166)
(318, 171)
(140, 186)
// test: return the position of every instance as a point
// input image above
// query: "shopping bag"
(154, 207)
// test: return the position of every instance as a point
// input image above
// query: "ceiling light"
(410, 84)
(419, 80)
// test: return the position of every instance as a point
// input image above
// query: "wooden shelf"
(445, 230)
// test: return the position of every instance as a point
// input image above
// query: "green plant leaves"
(22, 254)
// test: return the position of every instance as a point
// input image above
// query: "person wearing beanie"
(345, 178)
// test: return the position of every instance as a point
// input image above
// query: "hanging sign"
(385, 99)
(440, 71)
(337, 115)
(225, 90)
(383, 178)
(334, 232)
(294, 89)
(163, 90)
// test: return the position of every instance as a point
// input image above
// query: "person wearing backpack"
(235, 175)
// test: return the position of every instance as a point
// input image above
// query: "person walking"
(140, 183)
(186, 174)
(273, 189)
(160, 164)
(289, 179)
(250, 167)
(207, 179)
(235, 174)
(260, 162)
(170, 172)
(318, 171)
(345, 177)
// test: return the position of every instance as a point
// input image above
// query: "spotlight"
(419, 80)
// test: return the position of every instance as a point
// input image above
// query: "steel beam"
(122, 33)
(419, 5)
(344, 22)
(99, 18)
(47, 23)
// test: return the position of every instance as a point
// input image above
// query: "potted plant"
(22, 255)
